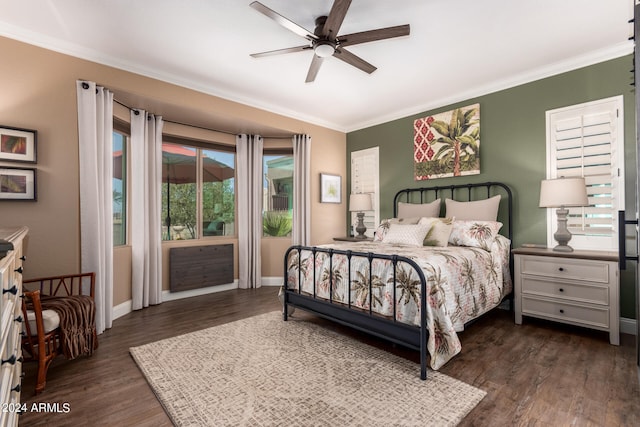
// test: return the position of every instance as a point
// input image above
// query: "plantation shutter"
(586, 140)
(365, 178)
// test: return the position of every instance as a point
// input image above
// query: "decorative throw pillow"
(419, 210)
(381, 231)
(478, 234)
(481, 210)
(411, 235)
(439, 231)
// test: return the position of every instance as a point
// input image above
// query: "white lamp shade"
(360, 202)
(563, 192)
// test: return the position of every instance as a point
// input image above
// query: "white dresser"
(11, 327)
(580, 288)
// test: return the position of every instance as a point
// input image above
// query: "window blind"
(365, 179)
(587, 141)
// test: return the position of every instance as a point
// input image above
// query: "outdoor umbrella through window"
(179, 167)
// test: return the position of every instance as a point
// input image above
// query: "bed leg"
(282, 296)
(423, 343)
(423, 368)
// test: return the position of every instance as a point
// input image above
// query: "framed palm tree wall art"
(330, 188)
(17, 145)
(447, 144)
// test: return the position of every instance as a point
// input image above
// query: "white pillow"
(476, 234)
(411, 234)
(439, 231)
(380, 232)
(409, 210)
(481, 210)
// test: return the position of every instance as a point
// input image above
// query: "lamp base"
(563, 248)
(360, 227)
(562, 235)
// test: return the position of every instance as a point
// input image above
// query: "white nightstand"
(580, 288)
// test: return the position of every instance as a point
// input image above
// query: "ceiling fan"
(325, 41)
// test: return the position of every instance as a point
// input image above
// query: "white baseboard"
(171, 296)
(121, 309)
(628, 326)
(126, 307)
(272, 281)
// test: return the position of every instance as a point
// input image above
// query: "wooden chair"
(42, 339)
(40, 344)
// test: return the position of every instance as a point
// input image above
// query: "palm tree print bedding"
(462, 284)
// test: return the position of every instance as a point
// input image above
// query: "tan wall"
(38, 91)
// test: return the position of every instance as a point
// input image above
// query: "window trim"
(609, 105)
(200, 146)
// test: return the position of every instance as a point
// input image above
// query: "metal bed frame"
(410, 336)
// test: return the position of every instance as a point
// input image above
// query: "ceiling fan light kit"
(325, 40)
(324, 49)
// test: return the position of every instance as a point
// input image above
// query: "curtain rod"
(196, 126)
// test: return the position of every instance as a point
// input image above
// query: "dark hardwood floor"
(537, 374)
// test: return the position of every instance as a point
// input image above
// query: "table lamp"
(358, 203)
(562, 193)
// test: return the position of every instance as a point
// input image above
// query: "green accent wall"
(513, 146)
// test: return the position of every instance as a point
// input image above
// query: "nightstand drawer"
(580, 293)
(583, 270)
(597, 317)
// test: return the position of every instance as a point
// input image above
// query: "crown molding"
(574, 63)
(72, 49)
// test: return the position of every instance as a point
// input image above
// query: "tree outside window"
(218, 193)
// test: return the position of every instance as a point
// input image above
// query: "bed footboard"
(346, 312)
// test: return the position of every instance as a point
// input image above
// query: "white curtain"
(301, 231)
(95, 146)
(146, 229)
(250, 183)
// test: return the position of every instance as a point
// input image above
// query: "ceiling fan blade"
(335, 18)
(373, 35)
(316, 62)
(351, 59)
(290, 25)
(281, 51)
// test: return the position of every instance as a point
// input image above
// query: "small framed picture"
(17, 184)
(330, 188)
(17, 145)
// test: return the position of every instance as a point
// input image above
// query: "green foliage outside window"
(277, 223)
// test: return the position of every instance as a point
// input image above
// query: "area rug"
(262, 371)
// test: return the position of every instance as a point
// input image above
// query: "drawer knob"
(19, 270)
(561, 311)
(561, 289)
(561, 269)
(17, 388)
(12, 290)
(12, 360)
(23, 258)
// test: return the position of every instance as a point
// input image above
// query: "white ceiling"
(457, 49)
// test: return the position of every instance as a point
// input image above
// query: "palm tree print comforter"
(462, 283)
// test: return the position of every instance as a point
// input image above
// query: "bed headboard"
(465, 193)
